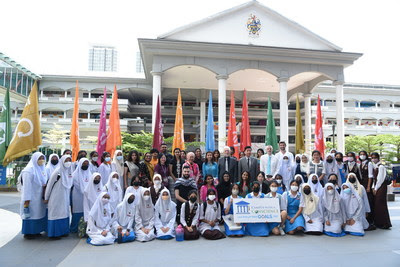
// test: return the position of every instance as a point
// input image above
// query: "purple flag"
(102, 136)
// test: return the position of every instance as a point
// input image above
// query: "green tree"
(55, 136)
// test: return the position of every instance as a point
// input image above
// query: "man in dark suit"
(249, 164)
(229, 164)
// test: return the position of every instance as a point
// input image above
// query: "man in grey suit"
(249, 164)
(229, 164)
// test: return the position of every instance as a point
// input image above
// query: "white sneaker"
(281, 231)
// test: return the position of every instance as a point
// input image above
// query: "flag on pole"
(210, 138)
(270, 131)
(74, 135)
(158, 128)
(114, 129)
(27, 136)
(5, 126)
(179, 137)
(232, 133)
(245, 139)
(299, 130)
(102, 135)
(319, 133)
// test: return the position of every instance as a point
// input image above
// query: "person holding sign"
(277, 228)
(256, 229)
(312, 211)
(232, 229)
(210, 216)
(294, 221)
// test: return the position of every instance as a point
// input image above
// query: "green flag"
(5, 126)
(270, 132)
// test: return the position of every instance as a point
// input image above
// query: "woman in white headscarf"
(352, 179)
(286, 170)
(144, 217)
(31, 183)
(52, 164)
(334, 215)
(305, 165)
(100, 222)
(81, 177)
(92, 190)
(315, 185)
(312, 211)
(124, 219)
(353, 207)
(117, 165)
(58, 198)
(165, 216)
(113, 188)
(330, 167)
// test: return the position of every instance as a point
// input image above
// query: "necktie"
(226, 164)
(248, 164)
(269, 166)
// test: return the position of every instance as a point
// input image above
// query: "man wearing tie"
(269, 163)
(248, 163)
(227, 164)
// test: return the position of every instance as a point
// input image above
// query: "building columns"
(203, 121)
(284, 110)
(156, 94)
(90, 94)
(307, 123)
(65, 114)
(340, 116)
(221, 111)
(41, 93)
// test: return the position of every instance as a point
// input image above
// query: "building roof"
(10, 62)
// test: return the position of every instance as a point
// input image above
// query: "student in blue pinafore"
(256, 229)
(295, 221)
(228, 210)
(281, 186)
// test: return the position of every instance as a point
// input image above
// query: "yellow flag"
(299, 130)
(27, 136)
(179, 140)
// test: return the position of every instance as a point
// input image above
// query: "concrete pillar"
(88, 115)
(90, 94)
(284, 110)
(41, 93)
(221, 111)
(16, 113)
(376, 104)
(65, 114)
(203, 121)
(359, 104)
(359, 122)
(40, 114)
(307, 124)
(65, 94)
(340, 116)
(156, 94)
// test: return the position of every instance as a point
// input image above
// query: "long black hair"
(130, 156)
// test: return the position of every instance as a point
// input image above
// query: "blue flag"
(210, 142)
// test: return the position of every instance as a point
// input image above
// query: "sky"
(53, 37)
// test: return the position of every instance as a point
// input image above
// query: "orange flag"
(114, 129)
(179, 138)
(232, 133)
(74, 136)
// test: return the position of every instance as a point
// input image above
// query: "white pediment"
(230, 27)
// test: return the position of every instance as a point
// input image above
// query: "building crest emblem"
(253, 25)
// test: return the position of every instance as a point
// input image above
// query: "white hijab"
(305, 167)
(38, 173)
(93, 190)
(146, 207)
(301, 176)
(315, 188)
(357, 185)
(331, 167)
(351, 201)
(166, 208)
(119, 164)
(101, 214)
(331, 202)
(125, 211)
(81, 177)
(157, 187)
(50, 167)
(310, 200)
(65, 173)
(114, 190)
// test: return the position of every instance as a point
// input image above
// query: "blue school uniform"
(280, 190)
(234, 232)
(257, 229)
(293, 204)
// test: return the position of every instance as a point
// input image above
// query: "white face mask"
(67, 164)
(146, 198)
(330, 192)
(157, 182)
(363, 157)
(279, 181)
(95, 158)
(211, 197)
(120, 158)
(105, 201)
(294, 188)
(235, 192)
(274, 189)
(350, 159)
(107, 159)
(115, 180)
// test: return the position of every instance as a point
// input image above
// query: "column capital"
(156, 73)
(337, 82)
(222, 77)
(282, 79)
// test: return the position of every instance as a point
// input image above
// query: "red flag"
(232, 133)
(245, 139)
(158, 128)
(319, 133)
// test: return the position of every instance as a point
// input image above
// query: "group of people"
(123, 198)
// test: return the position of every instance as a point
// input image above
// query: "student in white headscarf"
(81, 177)
(92, 190)
(210, 216)
(100, 222)
(144, 218)
(165, 216)
(31, 183)
(58, 198)
(105, 167)
(124, 219)
(117, 165)
(305, 165)
(113, 188)
(352, 179)
(312, 211)
(135, 188)
(334, 214)
(286, 169)
(330, 167)
(52, 164)
(353, 207)
(315, 184)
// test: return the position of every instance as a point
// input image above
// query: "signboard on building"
(256, 210)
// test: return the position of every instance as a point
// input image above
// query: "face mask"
(54, 161)
(314, 181)
(136, 183)
(120, 158)
(330, 192)
(193, 199)
(67, 164)
(157, 182)
(363, 157)
(294, 188)
(105, 201)
(95, 158)
(85, 167)
(350, 159)
(347, 191)
(375, 160)
(211, 197)
(40, 162)
(107, 159)
(165, 197)
(96, 181)
(339, 159)
(298, 160)
(274, 189)
(332, 181)
(307, 191)
(352, 180)
(130, 200)
(115, 180)
(235, 192)
(146, 198)
(256, 189)
(279, 181)
(329, 160)
(285, 160)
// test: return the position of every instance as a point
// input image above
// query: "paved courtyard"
(377, 248)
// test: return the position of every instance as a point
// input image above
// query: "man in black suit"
(249, 164)
(229, 164)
